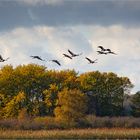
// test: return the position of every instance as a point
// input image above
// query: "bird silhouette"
(37, 57)
(105, 51)
(67, 56)
(91, 61)
(102, 48)
(56, 61)
(109, 51)
(73, 54)
(2, 59)
(100, 52)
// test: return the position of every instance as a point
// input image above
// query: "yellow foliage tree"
(72, 105)
(13, 107)
(51, 98)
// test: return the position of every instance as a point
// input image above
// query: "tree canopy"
(40, 91)
(136, 104)
(72, 106)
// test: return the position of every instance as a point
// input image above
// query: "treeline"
(33, 91)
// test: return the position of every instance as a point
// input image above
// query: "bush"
(8, 124)
(123, 122)
(23, 115)
(47, 123)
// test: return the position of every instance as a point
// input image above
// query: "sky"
(48, 28)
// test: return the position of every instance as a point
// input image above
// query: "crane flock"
(71, 55)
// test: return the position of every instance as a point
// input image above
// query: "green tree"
(136, 104)
(106, 92)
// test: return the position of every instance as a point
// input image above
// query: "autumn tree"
(31, 79)
(14, 106)
(41, 87)
(51, 98)
(63, 79)
(72, 106)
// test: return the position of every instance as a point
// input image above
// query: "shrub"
(23, 115)
(47, 123)
(123, 122)
(8, 124)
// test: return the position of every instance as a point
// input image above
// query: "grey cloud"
(70, 13)
(40, 2)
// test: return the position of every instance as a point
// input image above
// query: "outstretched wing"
(57, 62)
(100, 52)
(113, 53)
(1, 57)
(71, 52)
(39, 58)
(88, 59)
(102, 48)
(67, 56)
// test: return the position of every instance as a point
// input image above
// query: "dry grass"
(47, 123)
(74, 133)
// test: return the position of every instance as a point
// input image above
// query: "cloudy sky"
(49, 28)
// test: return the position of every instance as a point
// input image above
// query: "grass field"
(116, 133)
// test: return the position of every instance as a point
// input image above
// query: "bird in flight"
(73, 54)
(2, 60)
(56, 61)
(37, 57)
(109, 51)
(102, 48)
(91, 61)
(105, 51)
(65, 55)
(101, 52)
